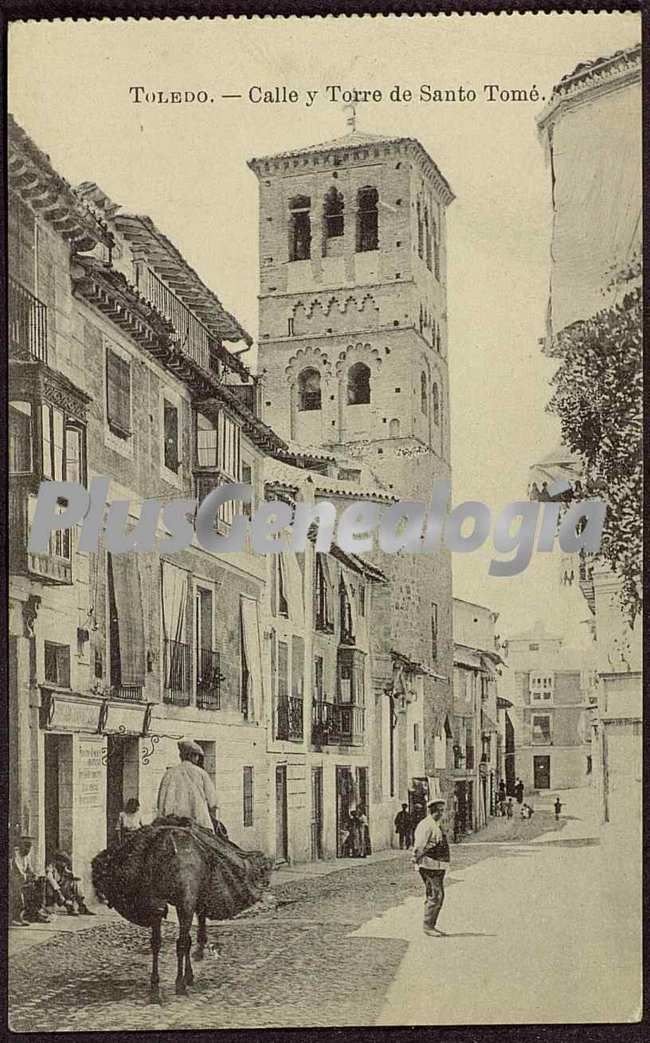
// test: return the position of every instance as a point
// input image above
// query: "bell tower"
(353, 322)
(353, 345)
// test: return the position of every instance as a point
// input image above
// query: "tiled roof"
(32, 176)
(294, 478)
(353, 141)
(620, 66)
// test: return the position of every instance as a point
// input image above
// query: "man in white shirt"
(187, 790)
(431, 858)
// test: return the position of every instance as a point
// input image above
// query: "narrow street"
(541, 923)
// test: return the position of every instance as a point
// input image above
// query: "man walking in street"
(431, 858)
(403, 827)
(519, 791)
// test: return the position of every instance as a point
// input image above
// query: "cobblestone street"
(299, 965)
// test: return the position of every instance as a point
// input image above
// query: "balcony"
(290, 719)
(55, 565)
(177, 673)
(193, 337)
(27, 324)
(127, 693)
(208, 680)
(337, 724)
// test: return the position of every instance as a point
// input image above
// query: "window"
(323, 596)
(283, 604)
(170, 428)
(435, 404)
(347, 629)
(420, 231)
(362, 599)
(299, 229)
(436, 250)
(244, 700)
(319, 689)
(20, 437)
(358, 384)
(309, 393)
(351, 667)
(248, 794)
(367, 220)
(333, 220)
(542, 730)
(57, 664)
(283, 673)
(533, 648)
(434, 630)
(218, 447)
(416, 737)
(427, 238)
(247, 479)
(424, 394)
(118, 394)
(541, 687)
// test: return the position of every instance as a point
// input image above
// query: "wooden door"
(281, 824)
(316, 813)
(542, 772)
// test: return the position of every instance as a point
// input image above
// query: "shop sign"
(90, 774)
(59, 713)
(124, 720)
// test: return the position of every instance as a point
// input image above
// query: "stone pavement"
(344, 948)
(544, 932)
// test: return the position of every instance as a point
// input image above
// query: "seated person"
(129, 820)
(26, 889)
(62, 886)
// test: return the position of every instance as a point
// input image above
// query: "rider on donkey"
(186, 790)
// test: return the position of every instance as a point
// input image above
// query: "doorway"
(541, 772)
(122, 778)
(58, 794)
(281, 822)
(345, 798)
(316, 813)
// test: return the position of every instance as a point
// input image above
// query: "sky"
(185, 166)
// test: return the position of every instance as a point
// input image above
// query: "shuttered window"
(118, 394)
(170, 423)
(248, 794)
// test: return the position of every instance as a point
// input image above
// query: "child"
(129, 820)
(558, 808)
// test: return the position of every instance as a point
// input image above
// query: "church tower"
(353, 337)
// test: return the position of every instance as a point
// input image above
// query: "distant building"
(553, 696)
(478, 730)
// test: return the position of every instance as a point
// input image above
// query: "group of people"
(355, 835)
(505, 807)
(34, 897)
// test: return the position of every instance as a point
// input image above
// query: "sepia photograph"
(325, 522)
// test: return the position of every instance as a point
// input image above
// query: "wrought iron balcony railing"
(127, 693)
(289, 719)
(338, 724)
(208, 680)
(177, 673)
(27, 324)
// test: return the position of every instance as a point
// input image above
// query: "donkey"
(170, 866)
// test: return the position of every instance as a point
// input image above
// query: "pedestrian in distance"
(129, 819)
(502, 791)
(519, 791)
(431, 859)
(403, 827)
(509, 808)
(558, 808)
(366, 847)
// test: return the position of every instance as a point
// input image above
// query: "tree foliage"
(598, 399)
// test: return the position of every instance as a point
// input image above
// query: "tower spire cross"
(351, 119)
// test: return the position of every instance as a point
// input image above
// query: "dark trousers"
(435, 894)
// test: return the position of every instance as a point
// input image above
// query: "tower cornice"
(351, 148)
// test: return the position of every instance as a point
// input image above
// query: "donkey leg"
(154, 991)
(201, 938)
(189, 973)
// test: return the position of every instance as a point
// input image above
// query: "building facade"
(353, 361)
(552, 689)
(479, 734)
(591, 132)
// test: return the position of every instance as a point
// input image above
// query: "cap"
(189, 746)
(434, 803)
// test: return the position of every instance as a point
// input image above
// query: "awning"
(487, 724)
(253, 652)
(124, 574)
